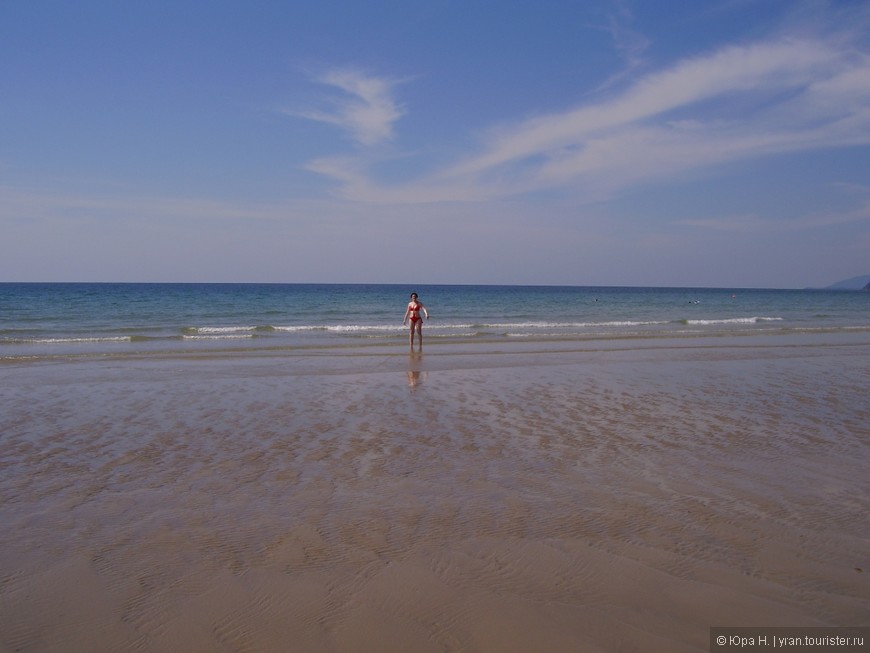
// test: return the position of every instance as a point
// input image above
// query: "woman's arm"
(407, 312)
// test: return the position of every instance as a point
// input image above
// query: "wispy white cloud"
(629, 44)
(367, 109)
(754, 224)
(38, 204)
(743, 101)
(763, 70)
(739, 224)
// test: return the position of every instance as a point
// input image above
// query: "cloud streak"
(367, 109)
(752, 224)
(740, 102)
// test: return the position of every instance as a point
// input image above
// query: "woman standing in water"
(413, 313)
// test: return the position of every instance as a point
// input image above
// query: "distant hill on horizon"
(855, 283)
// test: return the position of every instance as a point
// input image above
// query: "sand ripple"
(588, 501)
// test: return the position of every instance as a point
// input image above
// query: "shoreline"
(534, 497)
(448, 345)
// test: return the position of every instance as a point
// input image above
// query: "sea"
(71, 320)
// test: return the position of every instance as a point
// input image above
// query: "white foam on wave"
(734, 320)
(356, 328)
(298, 329)
(221, 330)
(336, 328)
(536, 326)
(68, 340)
(440, 326)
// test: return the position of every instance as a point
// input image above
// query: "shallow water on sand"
(458, 500)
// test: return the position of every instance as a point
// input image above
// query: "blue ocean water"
(69, 319)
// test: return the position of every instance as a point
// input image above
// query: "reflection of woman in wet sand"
(414, 379)
(413, 313)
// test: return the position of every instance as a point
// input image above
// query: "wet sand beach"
(558, 497)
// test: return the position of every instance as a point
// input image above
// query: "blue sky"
(608, 142)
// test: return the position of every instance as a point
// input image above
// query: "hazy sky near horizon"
(608, 142)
